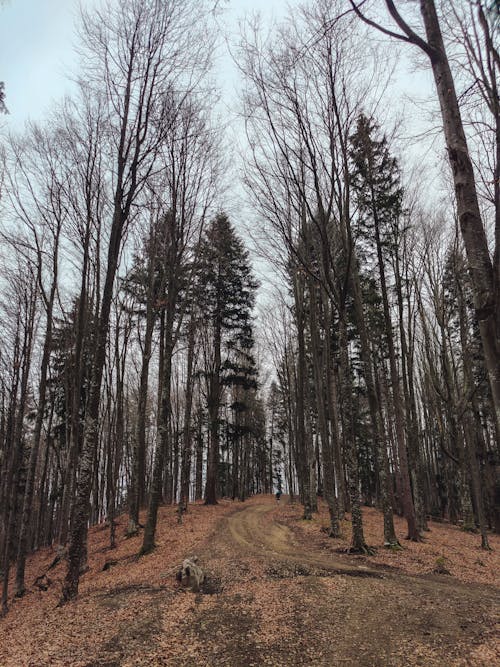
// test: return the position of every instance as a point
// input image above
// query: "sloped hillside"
(278, 592)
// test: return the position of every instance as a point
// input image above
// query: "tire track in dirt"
(251, 529)
(288, 605)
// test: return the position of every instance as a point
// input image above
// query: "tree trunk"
(390, 539)
(26, 522)
(187, 431)
(399, 414)
(350, 445)
(321, 387)
(148, 543)
(302, 444)
(17, 416)
(469, 215)
(80, 514)
(198, 492)
(213, 418)
(163, 443)
(137, 491)
(469, 426)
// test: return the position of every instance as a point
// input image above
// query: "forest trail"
(285, 603)
(278, 592)
(250, 530)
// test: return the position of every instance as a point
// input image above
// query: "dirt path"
(277, 594)
(277, 602)
(253, 530)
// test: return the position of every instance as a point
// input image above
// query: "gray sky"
(37, 56)
(35, 52)
(37, 59)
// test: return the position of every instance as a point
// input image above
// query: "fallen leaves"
(268, 601)
(443, 543)
(37, 632)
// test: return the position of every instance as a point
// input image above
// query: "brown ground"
(278, 593)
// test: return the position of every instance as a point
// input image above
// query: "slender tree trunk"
(137, 490)
(399, 415)
(26, 522)
(408, 380)
(164, 417)
(321, 387)
(390, 539)
(148, 543)
(119, 432)
(411, 424)
(80, 515)
(302, 444)
(213, 418)
(187, 431)
(42, 500)
(75, 386)
(198, 493)
(17, 445)
(342, 494)
(350, 445)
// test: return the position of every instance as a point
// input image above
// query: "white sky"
(37, 56)
(37, 60)
(35, 53)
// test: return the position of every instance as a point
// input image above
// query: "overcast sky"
(37, 58)
(37, 55)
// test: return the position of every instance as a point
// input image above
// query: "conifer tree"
(227, 293)
(379, 196)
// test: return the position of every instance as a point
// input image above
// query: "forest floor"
(279, 592)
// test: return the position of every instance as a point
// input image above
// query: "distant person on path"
(278, 496)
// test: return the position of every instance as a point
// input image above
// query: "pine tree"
(379, 195)
(227, 296)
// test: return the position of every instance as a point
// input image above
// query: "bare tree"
(183, 194)
(23, 294)
(304, 94)
(485, 274)
(137, 54)
(37, 200)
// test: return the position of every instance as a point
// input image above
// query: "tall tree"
(37, 197)
(24, 296)
(379, 196)
(135, 50)
(144, 283)
(485, 275)
(227, 288)
(185, 188)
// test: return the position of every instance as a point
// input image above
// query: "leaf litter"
(271, 597)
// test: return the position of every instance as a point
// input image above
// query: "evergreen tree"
(379, 195)
(227, 296)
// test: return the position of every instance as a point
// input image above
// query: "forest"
(333, 336)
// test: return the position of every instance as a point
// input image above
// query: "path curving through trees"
(274, 595)
(254, 530)
(285, 603)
